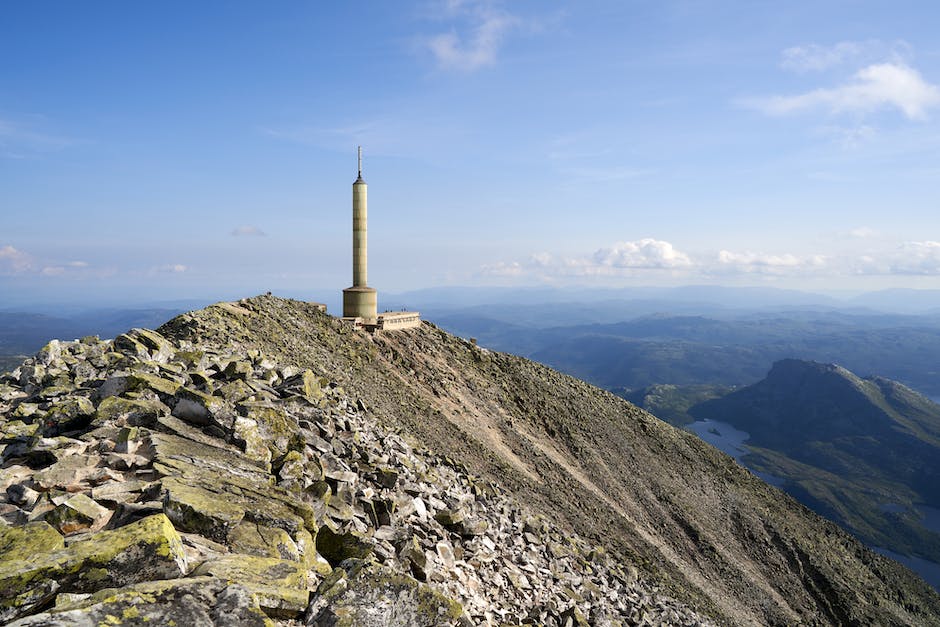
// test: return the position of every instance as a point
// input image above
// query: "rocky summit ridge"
(259, 463)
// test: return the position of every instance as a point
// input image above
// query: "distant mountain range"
(864, 452)
(731, 349)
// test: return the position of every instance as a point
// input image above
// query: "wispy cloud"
(20, 138)
(728, 262)
(248, 231)
(917, 258)
(478, 32)
(814, 57)
(819, 58)
(170, 268)
(879, 86)
(13, 261)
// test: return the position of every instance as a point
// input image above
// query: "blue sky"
(179, 149)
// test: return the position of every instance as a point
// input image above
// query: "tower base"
(360, 302)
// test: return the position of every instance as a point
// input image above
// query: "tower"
(360, 300)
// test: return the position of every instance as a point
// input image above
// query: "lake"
(727, 439)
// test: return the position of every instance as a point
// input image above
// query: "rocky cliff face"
(258, 462)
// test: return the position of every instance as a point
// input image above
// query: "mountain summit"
(261, 461)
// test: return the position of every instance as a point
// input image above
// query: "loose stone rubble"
(144, 480)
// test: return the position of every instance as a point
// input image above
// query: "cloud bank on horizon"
(505, 141)
(650, 258)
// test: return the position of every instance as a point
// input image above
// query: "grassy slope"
(710, 532)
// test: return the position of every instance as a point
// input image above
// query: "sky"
(173, 150)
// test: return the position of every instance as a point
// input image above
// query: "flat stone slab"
(281, 586)
(145, 550)
(195, 601)
(368, 594)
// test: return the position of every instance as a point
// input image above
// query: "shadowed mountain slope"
(864, 452)
(710, 533)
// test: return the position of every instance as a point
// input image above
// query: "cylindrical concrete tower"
(360, 300)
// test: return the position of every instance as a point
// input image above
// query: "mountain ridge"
(462, 400)
(687, 518)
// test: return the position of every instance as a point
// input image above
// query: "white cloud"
(813, 57)
(875, 87)
(13, 261)
(819, 58)
(621, 259)
(728, 262)
(171, 268)
(644, 253)
(863, 232)
(652, 259)
(487, 27)
(922, 258)
(248, 231)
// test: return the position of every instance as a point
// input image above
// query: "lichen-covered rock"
(198, 510)
(365, 594)
(78, 513)
(141, 412)
(193, 602)
(144, 381)
(338, 546)
(69, 471)
(264, 541)
(196, 407)
(28, 541)
(247, 432)
(145, 550)
(281, 586)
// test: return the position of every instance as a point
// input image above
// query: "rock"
(281, 586)
(128, 345)
(198, 510)
(248, 435)
(78, 513)
(338, 546)
(195, 406)
(195, 602)
(27, 541)
(139, 412)
(148, 549)
(311, 388)
(160, 348)
(69, 471)
(160, 385)
(69, 413)
(237, 369)
(367, 594)
(264, 541)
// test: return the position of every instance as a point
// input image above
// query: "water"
(928, 571)
(931, 517)
(722, 436)
(729, 440)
